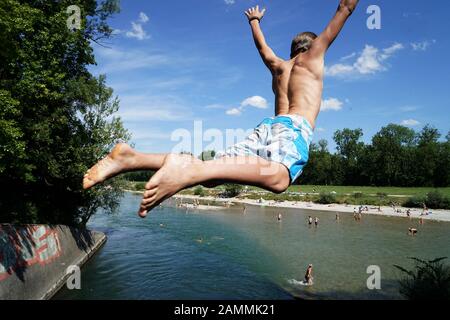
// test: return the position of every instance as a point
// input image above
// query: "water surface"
(225, 254)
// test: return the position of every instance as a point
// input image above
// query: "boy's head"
(302, 43)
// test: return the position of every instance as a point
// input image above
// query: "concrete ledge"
(34, 258)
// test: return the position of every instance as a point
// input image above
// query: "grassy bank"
(373, 196)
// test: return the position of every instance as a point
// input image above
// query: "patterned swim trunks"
(284, 139)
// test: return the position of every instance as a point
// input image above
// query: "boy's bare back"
(298, 83)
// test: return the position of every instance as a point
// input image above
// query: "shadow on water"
(20, 245)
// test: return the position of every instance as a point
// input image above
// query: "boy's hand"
(255, 13)
(349, 4)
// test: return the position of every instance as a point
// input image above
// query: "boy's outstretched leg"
(122, 158)
(182, 171)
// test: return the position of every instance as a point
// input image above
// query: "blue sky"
(174, 62)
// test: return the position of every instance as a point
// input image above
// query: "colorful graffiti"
(22, 247)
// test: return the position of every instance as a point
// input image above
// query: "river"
(225, 254)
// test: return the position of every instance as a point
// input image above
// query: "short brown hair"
(302, 42)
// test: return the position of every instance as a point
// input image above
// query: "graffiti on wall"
(26, 246)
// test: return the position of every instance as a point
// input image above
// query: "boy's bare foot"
(117, 160)
(178, 172)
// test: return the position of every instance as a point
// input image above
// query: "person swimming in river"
(308, 275)
(274, 155)
(279, 217)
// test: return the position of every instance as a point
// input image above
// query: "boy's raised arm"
(326, 38)
(254, 16)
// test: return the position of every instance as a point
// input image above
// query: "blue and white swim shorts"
(284, 139)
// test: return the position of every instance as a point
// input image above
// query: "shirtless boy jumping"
(274, 155)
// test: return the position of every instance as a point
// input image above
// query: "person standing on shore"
(425, 209)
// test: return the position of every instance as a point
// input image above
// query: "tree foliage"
(56, 118)
(396, 156)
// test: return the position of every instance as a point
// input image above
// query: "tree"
(349, 148)
(392, 154)
(207, 155)
(56, 119)
(427, 156)
(442, 173)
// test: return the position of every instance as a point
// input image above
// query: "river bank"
(435, 215)
(36, 260)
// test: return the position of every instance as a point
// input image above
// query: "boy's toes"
(149, 193)
(143, 213)
(147, 202)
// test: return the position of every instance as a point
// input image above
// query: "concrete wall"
(34, 258)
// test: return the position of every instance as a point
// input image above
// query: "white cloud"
(143, 17)
(255, 101)
(370, 61)
(351, 55)
(320, 129)
(229, 2)
(410, 123)
(234, 112)
(137, 31)
(331, 104)
(422, 46)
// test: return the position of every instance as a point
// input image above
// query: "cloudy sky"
(175, 62)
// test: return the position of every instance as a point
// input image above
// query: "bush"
(414, 202)
(357, 195)
(429, 280)
(436, 200)
(382, 195)
(198, 191)
(232, 190)
(326, 198)
(140, 186)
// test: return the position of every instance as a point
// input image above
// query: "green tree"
(207, 155)
(319, 169)
(442, 173)
(349, 148)
(56, 119)
(392, 154)
(427, 155)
